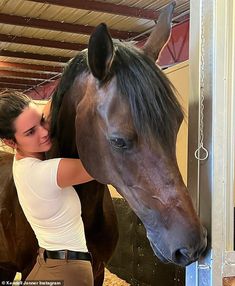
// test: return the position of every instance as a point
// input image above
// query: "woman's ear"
(9, 142)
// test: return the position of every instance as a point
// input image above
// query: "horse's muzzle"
(187, 255)
(183, 254)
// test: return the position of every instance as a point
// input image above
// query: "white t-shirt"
(53, 213)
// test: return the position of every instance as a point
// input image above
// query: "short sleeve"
(42, 178)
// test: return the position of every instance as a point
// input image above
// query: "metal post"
(211, 181)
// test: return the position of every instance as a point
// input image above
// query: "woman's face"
(31, 134)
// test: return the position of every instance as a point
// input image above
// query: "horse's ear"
(100, 52)
(160, 34)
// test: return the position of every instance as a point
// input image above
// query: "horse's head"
(127, 120)
(126, 126)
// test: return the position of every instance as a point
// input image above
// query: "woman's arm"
(71, 172)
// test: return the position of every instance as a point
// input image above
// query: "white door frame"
(211, 181)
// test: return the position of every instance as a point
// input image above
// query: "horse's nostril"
(180, 252)
(184, 256)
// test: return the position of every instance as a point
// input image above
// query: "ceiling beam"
(20, 81)
(24, 55)
(42, 42)
(59, 26)
(4, 85)
(22, 66)
(38, 76)
(111, 8)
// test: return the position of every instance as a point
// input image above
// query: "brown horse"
(18, 247)
(122, 112)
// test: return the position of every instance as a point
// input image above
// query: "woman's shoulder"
(33, 169)
(35, 163)
(26, 160)
(24, 165)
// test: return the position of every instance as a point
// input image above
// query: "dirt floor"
(110, 279)
(229, 281)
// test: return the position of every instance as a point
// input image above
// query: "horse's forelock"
(154, 106)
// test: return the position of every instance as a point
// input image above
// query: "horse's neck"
(64, 144)
(64, 140)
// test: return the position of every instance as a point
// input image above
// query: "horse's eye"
(119, 143)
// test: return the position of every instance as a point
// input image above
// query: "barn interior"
(39, 37)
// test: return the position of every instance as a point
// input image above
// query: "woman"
(50, 204)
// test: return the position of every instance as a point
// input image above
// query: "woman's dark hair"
(12, 103)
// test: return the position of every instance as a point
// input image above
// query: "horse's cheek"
(89, 145)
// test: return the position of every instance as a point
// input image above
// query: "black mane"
(154, 106)
(75, 67)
